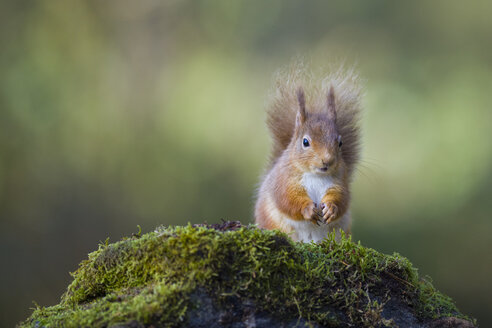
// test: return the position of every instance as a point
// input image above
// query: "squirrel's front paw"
(311, 212)
(329, 211)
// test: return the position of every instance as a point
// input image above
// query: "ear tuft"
(331, 104)
(301, 115)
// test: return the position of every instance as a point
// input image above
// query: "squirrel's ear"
(331, 104)
(301, 114)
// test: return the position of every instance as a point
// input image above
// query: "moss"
(149, 279)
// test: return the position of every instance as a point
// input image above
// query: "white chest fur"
(316, 185)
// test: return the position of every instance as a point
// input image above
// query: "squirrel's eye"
(305, 142)
(339, 141)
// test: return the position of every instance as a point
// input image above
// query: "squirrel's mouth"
(323, 169)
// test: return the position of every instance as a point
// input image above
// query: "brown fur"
(284, 105)
(326, 113)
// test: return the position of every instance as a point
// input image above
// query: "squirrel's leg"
(295, 202)
(335, 203)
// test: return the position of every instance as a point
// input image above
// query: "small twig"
(344, 263)
(398, 278)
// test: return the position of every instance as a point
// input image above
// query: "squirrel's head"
(316, 141)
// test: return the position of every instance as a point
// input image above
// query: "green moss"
(149, 279)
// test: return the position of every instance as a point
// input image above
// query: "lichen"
(149, 279)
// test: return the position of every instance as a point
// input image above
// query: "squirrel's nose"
(328, 161)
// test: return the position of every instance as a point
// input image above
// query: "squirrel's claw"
(317, 215)
(330, 212)
(313, 213)
(315, 220)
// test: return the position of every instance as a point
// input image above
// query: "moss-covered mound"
(230, 275)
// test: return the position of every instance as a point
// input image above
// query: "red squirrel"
(314, 123)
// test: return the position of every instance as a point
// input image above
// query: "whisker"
(370, 171)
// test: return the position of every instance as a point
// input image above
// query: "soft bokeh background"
(115, 114)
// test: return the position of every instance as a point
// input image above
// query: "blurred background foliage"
(115, 114)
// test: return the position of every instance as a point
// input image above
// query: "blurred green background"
(115, 114)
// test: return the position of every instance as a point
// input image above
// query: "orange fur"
(309, 182)
(283, 106)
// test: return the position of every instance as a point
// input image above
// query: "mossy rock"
(229, 275)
